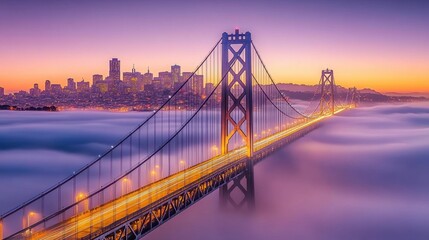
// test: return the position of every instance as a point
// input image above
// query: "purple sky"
(377, 44)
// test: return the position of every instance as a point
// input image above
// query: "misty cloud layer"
(361, 175)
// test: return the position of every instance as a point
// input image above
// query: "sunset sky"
(382, 45)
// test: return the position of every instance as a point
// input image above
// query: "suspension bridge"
(188, 148)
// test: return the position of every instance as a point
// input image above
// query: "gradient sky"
(377, 44)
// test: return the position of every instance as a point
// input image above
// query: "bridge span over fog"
(178, 156)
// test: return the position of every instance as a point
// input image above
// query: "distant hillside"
(412, 94)
(306, 92)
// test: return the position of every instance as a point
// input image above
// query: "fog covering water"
(361, 175)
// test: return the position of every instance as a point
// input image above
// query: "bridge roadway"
(90, 221)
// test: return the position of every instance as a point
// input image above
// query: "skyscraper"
(147, 77)
(35, 91)
(115, 69)
(185, 77)
(96, 78)
(56, 88)
(133, 79)
(82, 86)
(209, 88)
(198, 84)
(1, 92)
(175, 73)
(47, 86)
(71, 85)
(166, 79)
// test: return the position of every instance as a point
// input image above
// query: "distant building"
(198, 84)
(156, 83)
(96, 78)
(71, 84)
(56, 88)
(166, 79)
(147, 77)
(1, 92)
(185, 77)
(35, 91)
(175, 73)
(47, 86)
(209, 88)
(133, 79)
(114, 70)
(102, 86)
(82, 86)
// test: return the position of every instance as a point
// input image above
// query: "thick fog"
(361, 175)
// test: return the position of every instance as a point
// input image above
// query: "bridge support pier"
(240, 192)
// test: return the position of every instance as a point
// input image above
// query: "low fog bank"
(361, 175)
(39, 149)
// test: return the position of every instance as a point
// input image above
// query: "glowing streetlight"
(182, 165)
(29, 215)
(153, 175)
(215, 149)
(79, 197)
(126, 182)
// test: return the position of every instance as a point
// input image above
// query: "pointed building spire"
(147, 69)
(134, 69)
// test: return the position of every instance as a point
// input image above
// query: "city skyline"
(365, 42)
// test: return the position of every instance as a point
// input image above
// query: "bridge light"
(80, 196)
(182, 164)
(215, 149)
(29, 215)
(126, 182)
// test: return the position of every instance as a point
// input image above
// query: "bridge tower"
(236, 111)
(327, 97)
(354, 96)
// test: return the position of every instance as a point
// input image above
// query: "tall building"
(71, 84)
(114, 69)
(82, 86)
(56, 88)
(147, 77)
(175, 73)
(198, 84)
(186, 76)
(209, 88)
(35, 91)
(47, 86)
(166, 79)
(1, 92)
(133, 79)
(96, 78)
